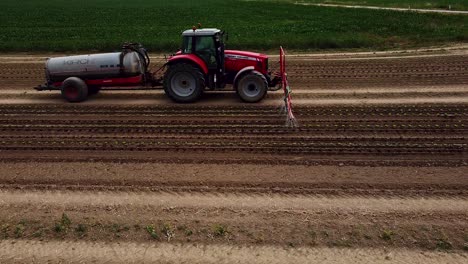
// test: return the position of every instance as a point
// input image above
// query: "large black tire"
(74, 90)
(184, 83)
(252, 87)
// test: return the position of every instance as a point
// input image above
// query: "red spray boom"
(290, 119)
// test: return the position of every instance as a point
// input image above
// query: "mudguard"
(246, 69)
(190, 58)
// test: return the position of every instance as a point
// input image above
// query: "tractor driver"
(206, 49)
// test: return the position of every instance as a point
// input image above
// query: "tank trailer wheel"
(252, 87)
(184, 83)
(74, 90)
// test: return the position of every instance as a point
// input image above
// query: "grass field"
(423, 4)
(59, 25)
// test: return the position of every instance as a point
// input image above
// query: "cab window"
(205, 48)
(187, 45)
(205, 43)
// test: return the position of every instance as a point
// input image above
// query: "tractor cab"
(208, 45)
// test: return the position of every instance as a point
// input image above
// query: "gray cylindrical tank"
(95, 66)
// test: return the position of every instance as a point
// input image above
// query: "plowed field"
(376, 171)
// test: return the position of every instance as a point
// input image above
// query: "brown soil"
(236, 218)
(378, 165)
(366, 181)
(125, 252)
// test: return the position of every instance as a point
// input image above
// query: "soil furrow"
(377, 165)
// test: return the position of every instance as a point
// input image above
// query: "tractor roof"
(201, 32)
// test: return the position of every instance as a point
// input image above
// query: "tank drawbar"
(45, 87)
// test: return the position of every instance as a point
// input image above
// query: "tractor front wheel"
(252, 87)
(74, 90)
(184, 83)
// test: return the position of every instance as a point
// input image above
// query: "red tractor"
(202, 64)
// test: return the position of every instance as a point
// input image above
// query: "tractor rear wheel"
(252, 87)
(74, 90)
(184, 83)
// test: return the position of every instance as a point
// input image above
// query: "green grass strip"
(102, 25)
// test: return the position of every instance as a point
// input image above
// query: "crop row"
(243, 109)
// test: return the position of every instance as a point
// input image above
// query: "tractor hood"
(244, 54)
